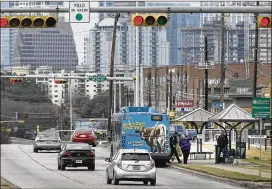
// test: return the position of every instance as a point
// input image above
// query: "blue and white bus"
(141, 128)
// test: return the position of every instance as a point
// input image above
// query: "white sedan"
(131, 165)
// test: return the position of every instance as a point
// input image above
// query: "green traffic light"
(79, 16)
(162, 20)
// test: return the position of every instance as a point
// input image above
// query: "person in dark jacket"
(185, 146)
(173, 143)
(222, 143)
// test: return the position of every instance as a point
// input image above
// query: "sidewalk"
(7, 185)
(227, 167)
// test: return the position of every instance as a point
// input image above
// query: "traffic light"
(28, 22)
(264, 21)
(61, 81)
(22, 116)
(15, 80)
(149, 20)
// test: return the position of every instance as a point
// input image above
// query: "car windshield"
(136, 156)
(48, 135)
(78, 147)
(83, 130)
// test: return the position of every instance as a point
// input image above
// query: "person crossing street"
(173, 143)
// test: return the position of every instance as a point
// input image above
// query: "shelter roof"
(197, 115)
(233, 113)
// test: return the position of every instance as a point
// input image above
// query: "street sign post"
(98, 78)
(261, 108)
(79, 12)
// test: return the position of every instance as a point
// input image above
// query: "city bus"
(141, 128)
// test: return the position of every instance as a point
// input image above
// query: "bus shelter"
(198, 115)
(236, 115)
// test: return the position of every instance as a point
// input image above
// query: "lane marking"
(54, 170)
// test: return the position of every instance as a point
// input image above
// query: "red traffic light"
(11, 80)
(60, 81)
(3, 22)
(264, 21)
(138, 20)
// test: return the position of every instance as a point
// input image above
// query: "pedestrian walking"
(173, 143)
(222, 143)
(185, 146)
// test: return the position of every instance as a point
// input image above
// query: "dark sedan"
(76, 155)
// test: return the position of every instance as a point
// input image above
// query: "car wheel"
(35, 150)
(59, 166)
(108, 179)
(115, 181)
(153, 182)
(94, 144)
(92, 167)
(145, 182)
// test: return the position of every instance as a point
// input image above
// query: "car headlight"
(119, 164)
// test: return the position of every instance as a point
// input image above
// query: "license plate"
(82, 135)
(136, 167)
(78, 161)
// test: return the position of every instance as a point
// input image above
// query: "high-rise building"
(154, 47)
(248, 23)
(192, 44)
(5, 42)
(46, 47)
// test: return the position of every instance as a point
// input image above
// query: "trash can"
(241, 150)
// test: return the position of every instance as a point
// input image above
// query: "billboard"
(185, 104)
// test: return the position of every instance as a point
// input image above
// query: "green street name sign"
(98, 78)
(261, 108)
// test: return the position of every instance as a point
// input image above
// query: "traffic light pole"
(256, 46)
(137, 67)
(176, 9)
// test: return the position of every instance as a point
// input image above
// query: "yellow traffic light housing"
(61, 81)
(15, 80)
(28, 21)
(264, 21)
(149, 20)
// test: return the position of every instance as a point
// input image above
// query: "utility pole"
(255, 72)
(120, 96)
(206, 71)
(167, 87)
(222, 59)
(111, 74)
(149, 88)
(170, 91)
(142, 85)
(71, 103)
(127, 96)
(137, 88)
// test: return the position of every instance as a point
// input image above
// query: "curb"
(8, 184)
(250, 185)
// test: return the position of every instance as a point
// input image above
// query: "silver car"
(131, 165)
(47, 141)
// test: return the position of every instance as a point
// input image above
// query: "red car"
(85, 135)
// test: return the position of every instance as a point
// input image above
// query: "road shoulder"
(7, 185)
(265, 184)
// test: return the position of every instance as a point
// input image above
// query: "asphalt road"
(26, 169)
